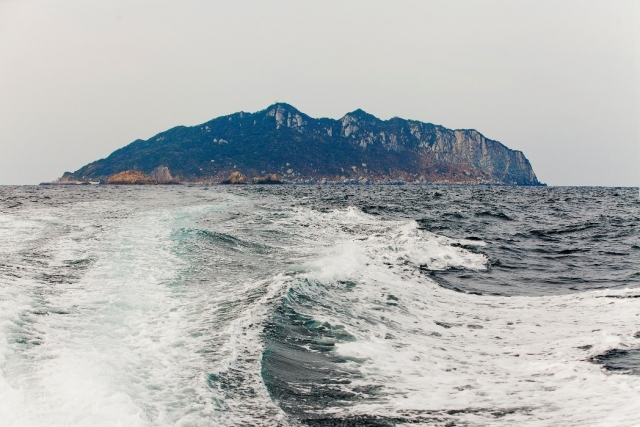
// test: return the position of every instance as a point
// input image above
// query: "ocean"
(319, 306)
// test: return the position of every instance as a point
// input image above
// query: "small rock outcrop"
(270, 178)
(235, 178)
(131, 177)
(162, 175)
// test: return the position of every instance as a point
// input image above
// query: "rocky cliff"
(358, 148)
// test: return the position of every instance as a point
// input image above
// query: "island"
(283, 145)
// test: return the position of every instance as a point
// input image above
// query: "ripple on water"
(625, 361)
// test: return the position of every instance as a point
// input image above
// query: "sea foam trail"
(133, 340)
(27, 247)
(110, 333)
(434, 356)
(165, 307)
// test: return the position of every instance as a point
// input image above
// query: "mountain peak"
(360, 114)
(282, 106)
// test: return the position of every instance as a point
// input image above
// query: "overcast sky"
(556, 79)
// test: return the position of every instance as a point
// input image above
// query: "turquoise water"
(316, 306)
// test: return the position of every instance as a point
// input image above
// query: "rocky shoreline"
(133, 177)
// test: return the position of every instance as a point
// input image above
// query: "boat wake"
(185, 306)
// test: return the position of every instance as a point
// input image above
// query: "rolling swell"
(315, 384)
(228, 241)
(299, 365)
(539, 241)
(338, 303)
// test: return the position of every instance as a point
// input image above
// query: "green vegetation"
(281, 140)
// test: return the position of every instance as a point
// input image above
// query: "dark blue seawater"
(319, 306)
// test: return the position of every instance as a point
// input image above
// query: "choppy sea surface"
(319, 306)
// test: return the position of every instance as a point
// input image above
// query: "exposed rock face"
(131, 178)
(162, 175)
(354, 149)
(270, 178)
(235, 178)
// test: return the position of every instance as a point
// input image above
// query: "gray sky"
(556, 79)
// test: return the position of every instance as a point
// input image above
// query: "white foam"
(16, 232)
(517, 356)
(140, 337)
(382, 242)
(136, 344)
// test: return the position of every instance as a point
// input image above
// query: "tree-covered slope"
(282, 140)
